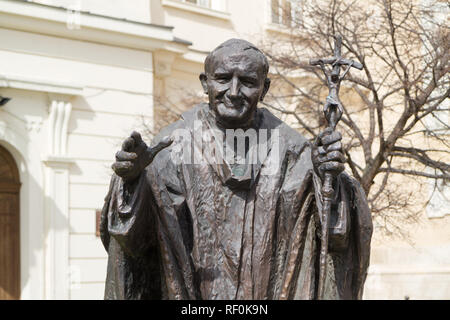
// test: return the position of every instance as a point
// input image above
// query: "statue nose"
(233, 92)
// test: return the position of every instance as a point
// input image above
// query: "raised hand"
(134, 156)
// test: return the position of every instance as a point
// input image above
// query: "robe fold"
(214, 230)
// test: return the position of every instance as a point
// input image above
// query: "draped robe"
(200, 231)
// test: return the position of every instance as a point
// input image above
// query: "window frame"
(194, 8)
(217, 5)
(296, 11)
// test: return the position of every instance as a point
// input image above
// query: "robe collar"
(240, 174)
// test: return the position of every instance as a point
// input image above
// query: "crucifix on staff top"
(334, 79)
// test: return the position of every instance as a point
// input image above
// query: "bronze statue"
(228, 202)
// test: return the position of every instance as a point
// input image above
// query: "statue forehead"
(243, 59)
(236, 53)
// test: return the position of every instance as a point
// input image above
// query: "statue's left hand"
(327, 155)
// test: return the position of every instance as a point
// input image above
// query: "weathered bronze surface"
(198, 216)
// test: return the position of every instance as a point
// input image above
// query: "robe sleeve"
(130, 229)
(350, 233)
(128, 232)
(126, 216)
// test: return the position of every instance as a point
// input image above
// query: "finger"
(321, 150)
(332, 156)
(164, 143)
(332, 166)
(335, 146)
(315, 156)
(125, 156)
(139, 144)
(128, 144)
(137, 138)
(318, 140)
(331, 138)
(122, 168)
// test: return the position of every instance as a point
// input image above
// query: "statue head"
(235, 80)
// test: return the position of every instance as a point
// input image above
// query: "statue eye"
(248, 82)
(222, 78)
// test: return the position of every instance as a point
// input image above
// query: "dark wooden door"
(9, 227)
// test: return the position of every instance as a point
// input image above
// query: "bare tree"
(169, 109)
(398, 124)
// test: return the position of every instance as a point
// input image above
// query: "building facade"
(80, 76)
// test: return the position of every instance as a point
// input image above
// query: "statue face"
(235, 82)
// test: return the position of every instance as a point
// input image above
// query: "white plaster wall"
(116, 98)
(101, 119)
(409, 272)
(136, 10)
(23, 142)
(242, 19)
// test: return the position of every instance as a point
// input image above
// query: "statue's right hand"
(134, 156)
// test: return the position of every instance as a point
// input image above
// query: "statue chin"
(232, 115)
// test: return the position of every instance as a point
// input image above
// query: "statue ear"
(203, 80)
(265, 89)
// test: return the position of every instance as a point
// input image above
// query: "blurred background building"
(76, 77)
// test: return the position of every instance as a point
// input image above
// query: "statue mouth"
(230, 105)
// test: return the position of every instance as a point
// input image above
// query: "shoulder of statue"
(167, 131)
(186, 117)
(291, 137)
(195, 113)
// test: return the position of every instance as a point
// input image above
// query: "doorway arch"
(9, 227)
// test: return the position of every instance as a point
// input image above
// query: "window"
(439, 199)
(212, 8)
(439, 120)
(285, 12)
(218, 5)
